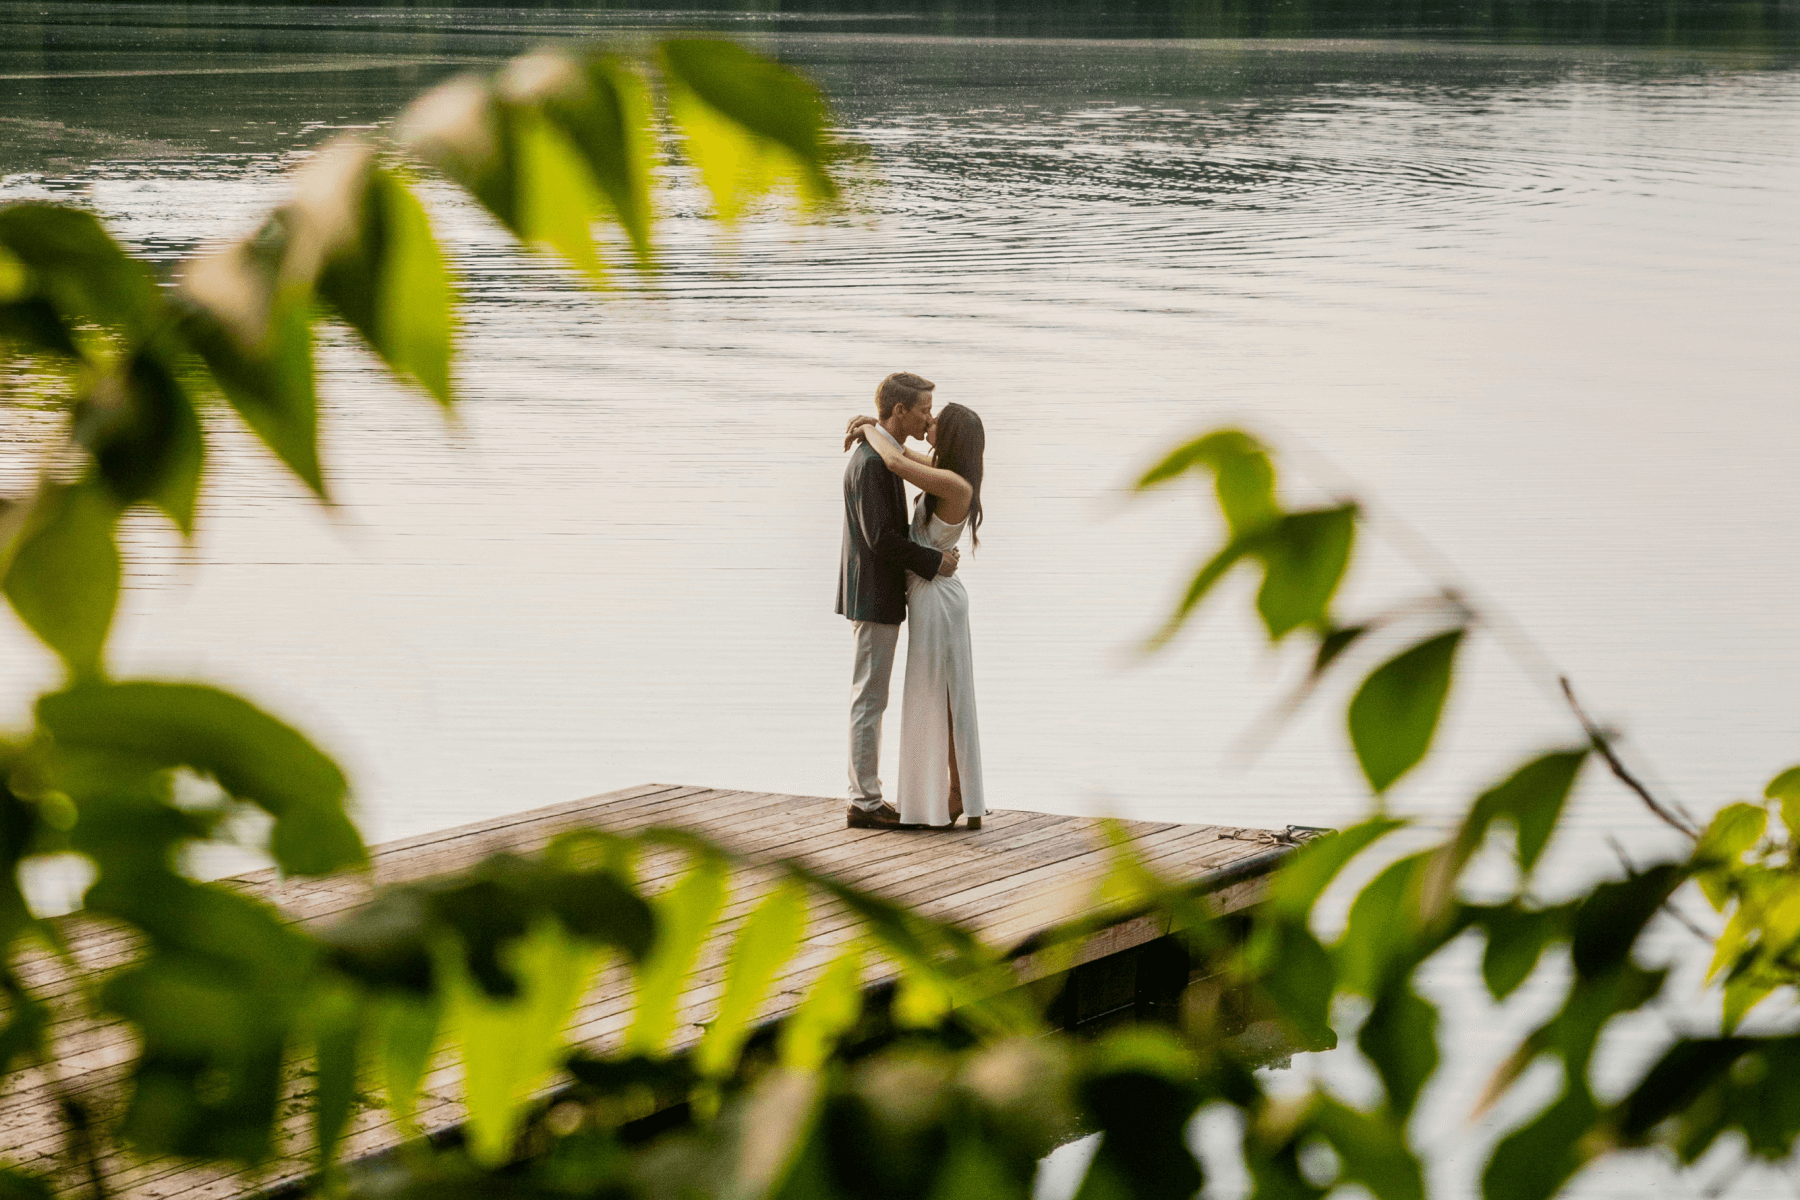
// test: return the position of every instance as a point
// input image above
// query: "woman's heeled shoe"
(973, 823)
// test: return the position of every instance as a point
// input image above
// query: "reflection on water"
(1539, 296)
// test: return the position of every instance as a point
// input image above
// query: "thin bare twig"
(1601, 740)
(1531, 659)
(1688, 923)
(1624, 858)
(1419, 551)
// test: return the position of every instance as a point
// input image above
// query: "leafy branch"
(553, 142)
(1412, 908)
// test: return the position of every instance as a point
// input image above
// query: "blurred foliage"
(915, 1063)
(1702, 1087)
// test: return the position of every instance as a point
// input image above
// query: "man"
(877, 554)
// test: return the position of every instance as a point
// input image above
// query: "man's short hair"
(901, 389)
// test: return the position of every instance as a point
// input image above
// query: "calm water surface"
(1532, 287)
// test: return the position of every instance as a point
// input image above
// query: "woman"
(940, 747)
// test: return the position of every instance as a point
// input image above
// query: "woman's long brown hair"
(961, 442)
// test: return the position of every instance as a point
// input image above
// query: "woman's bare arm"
(856, 423)
(939, 482)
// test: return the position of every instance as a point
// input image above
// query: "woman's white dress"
(940, 684)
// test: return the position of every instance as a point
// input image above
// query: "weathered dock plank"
(1020, 874)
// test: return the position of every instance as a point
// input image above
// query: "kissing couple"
(890, 571)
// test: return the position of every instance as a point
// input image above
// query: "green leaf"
(1395, 713)
(1785, 787)
(1400, 1038)
(63, 578)
(141, 428)
(943, 964)
(337, 1020)
(1572, 1033)
(414, 301)
(1334, 643)
(604, 111)
(1303, 878)
(1304, 555)
(1758, 1093)
(1139, 1091)
(78, 268)
(923, 999)
(1734, 829)
(684, 916)
(590, 117)
(1533, 1162)
(26, 828)
(407, 1031)
(829, 1011)
(1210, 572)
(1533, 798)
(19, 1185)
(461, 128)
(511, 1047)
(216, 1005)
(556, 200)
(768, 939)
(268, 380)
(749, 122)
(1516, 938)
(385, 944)
(974, 1170)
(391, 284)
(253, 756)
(1734, 944)
(1611, 917)
(1243, 475)
(1300, 979)
(542, 150)
(1245, 485)
(1685, 1071)
(1741, 995)
(16, 281)
(27, 1021)
(1372, 1148)
(1384, 937)
(596, 907)
(32, 323)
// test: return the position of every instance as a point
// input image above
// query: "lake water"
(1526, 276)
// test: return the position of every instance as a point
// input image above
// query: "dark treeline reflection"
(1684, 22)
(1739, 23)
(1769, 24)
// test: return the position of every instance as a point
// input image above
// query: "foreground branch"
(1602, 743)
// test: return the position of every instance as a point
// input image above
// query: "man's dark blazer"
(878, 551)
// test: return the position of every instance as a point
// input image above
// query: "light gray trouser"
(868, 700)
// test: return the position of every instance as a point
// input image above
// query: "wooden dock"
(1020, 874)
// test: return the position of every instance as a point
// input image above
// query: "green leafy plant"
(225, 989)
(1413, 907)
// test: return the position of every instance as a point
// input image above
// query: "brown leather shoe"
(885, 816)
